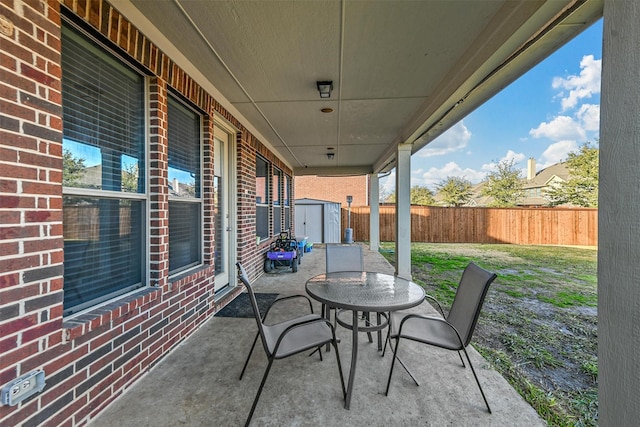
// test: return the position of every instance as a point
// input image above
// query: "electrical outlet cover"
(21, 388)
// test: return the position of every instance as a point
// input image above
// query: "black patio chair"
(287, 338)
(451, 332)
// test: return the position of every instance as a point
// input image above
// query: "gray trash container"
(348, 235)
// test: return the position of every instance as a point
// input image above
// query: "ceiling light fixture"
(325, 88)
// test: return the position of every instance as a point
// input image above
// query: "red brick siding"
(334, 189)
(90, 359)
(30, 192)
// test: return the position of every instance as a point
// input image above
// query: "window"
(287, 203)
(104, 193)
(262, 198)
(273, 190)
(277, 205)
(185, 200)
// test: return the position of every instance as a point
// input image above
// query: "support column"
(403, 211)
(619, 218)
(374, 212)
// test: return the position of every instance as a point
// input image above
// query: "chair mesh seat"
(435, 333)
(299, 339)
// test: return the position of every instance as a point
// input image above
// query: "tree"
(504, 185)
(582, 187)
(421, 196)
(130, 177)
(386, 196)
(73, 169)
(454, 191)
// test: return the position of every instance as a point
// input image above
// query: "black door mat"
(241, 306)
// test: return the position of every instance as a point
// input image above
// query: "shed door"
(309, 222)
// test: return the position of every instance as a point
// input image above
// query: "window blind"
(103, 252)
(102, 107)
(184, 150)
(185, 224)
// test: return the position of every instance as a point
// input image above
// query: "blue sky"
(545, 114)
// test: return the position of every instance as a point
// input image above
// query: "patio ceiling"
(402, 71)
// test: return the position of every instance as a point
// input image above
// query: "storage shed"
(319, 220)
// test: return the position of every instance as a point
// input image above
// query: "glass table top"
(365, 291)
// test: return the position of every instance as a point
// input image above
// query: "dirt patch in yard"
(538, 326)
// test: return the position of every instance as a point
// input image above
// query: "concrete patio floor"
(197, 383)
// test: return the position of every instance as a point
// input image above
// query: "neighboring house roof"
(544, 179)
(548, 175)
(533, 188)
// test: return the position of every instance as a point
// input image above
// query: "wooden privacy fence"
(522, 226)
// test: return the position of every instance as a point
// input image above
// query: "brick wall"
(91, 358)
(334, 189)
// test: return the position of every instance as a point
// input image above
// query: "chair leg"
(462, 360)
(408, 372)
(477, 381)
(344, 389)
(367, 318)
(255, 401)
(386, 340)
(401, 362)
(393, 362)
(326, 313)
(319, 350)
(246, 362)
(379, 333)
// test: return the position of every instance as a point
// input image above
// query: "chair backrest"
(242, 276)
(468, 301)
(344, 258)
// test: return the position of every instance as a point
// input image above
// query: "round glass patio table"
(364, 292)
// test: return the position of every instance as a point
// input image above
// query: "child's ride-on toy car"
(282, 253)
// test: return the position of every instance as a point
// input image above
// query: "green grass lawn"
(538, 326)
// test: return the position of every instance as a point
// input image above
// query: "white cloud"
(435, 175)
(454, 139)
(558, 129)
(582, 86)
(489, 167)
(589, 115)
(511, 155)
(556, 153)
(388, 183)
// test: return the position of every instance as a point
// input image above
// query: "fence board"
(539, 226)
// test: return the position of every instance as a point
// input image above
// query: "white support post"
(619, 218)
(374, 213)
(403, 211)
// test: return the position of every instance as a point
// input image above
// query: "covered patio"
(247, 76)
(197, 382)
